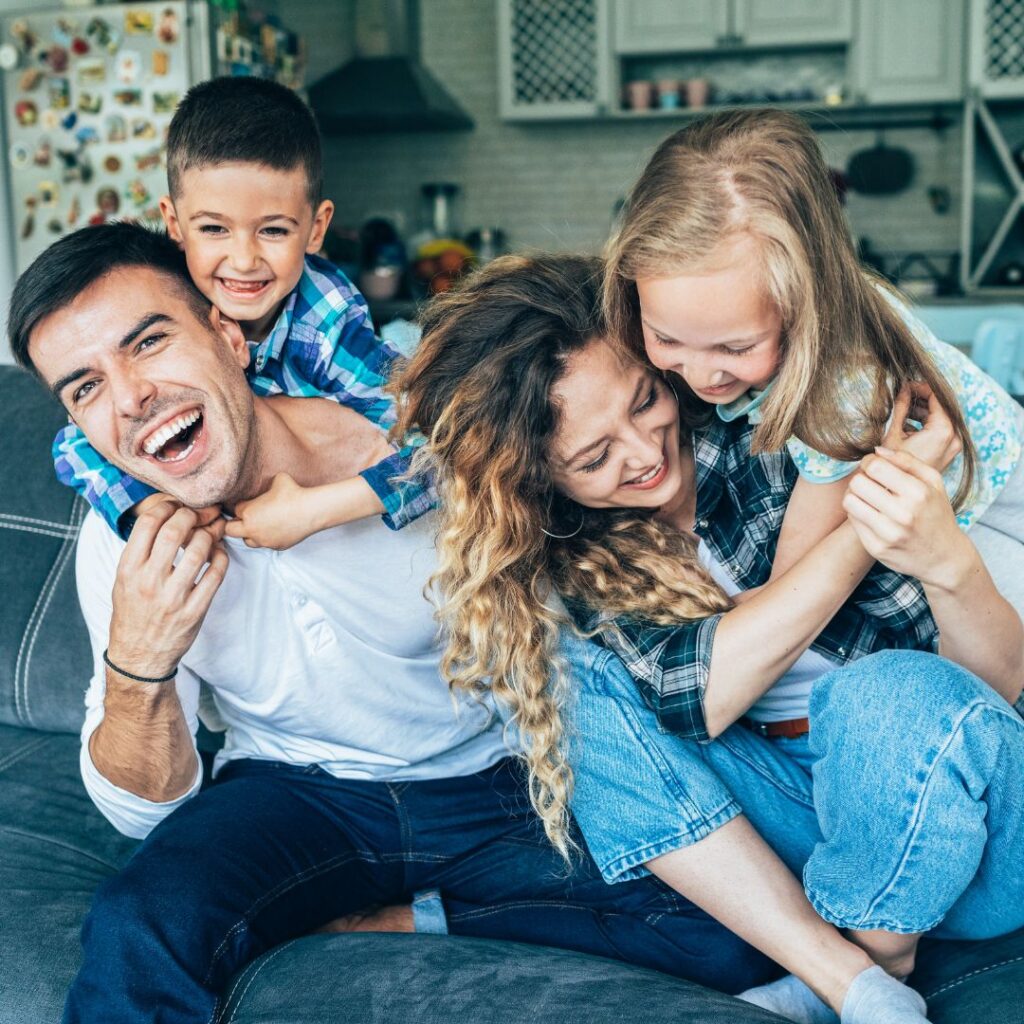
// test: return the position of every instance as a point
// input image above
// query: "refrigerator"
(89, 92)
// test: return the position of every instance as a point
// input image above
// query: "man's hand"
(205, 516)
(282, 516)
(158, 606)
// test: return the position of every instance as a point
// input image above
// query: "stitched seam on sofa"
(22, 665)
(52, 523)
(29, 748)
(973, 974)
(249, 982)
(41, 531)
(284, 887)
(7, 830)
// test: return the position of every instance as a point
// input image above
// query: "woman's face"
(617, 443)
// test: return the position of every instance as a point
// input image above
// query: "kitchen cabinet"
(909, 52)
(669, 26)
(554, 59)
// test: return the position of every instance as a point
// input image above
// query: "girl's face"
(617, 443)
(717, 329)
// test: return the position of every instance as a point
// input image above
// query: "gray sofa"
(55, 848)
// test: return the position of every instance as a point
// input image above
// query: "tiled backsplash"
(553, 185)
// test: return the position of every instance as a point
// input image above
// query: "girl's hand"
(898, 506)
(279, 518)
(936, 443)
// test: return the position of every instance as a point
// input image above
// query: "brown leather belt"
(792, 728)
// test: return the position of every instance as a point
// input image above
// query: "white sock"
(875, 997)
(790, 997)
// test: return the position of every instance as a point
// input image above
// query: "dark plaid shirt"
(741, 499)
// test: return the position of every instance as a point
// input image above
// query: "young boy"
(244, 173)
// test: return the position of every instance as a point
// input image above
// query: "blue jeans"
(903, 808)
(271, 851)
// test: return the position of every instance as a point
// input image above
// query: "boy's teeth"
(166, 432)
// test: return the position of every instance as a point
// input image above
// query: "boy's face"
(246, 229)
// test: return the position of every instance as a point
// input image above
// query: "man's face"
(156, 390)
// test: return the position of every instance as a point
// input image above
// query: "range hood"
(386, 89)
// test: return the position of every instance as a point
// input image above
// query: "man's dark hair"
(244, 120)
(60, 274)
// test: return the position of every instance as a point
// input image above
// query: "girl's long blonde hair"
(761, 172)
(479, 386)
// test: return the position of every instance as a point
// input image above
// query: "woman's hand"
(898, 506)
(279, 518)
(936, 442)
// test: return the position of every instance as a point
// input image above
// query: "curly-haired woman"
(563, 469)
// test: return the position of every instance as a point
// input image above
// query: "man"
(347, 777)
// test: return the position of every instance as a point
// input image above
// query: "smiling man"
(347, 778)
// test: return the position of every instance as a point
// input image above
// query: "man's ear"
(321, 222)
(171, 220)
(232, 335)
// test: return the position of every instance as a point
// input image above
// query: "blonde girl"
(563, 469)
(733, 269)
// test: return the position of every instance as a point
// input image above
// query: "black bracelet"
(138, 679)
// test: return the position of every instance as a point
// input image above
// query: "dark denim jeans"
(271, 851)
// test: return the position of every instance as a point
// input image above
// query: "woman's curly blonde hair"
(480, 388)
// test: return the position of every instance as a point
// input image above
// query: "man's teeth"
(650, 475)
(166, 432)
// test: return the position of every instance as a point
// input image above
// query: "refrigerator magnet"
(54, 225)
(79, 47)
(137, 193)
(143, 129)
(103, 35)
(64, 31)
(90, 102)
(57, 58)
(167, 29)
(30, 79)
(117, 130)
(26, 113)
(59, 91)
(129, 64)
(10, 57)
(28, 225)
(148, 160)
(165, 102)
(86, 135)
(138, 23)
(92, 71)
(112, 164)
(68, 121)
(74, 211)
(50, 119)
(43, 156)
(19, 155)
(108, 201)
(128, 97)
(161, 63)
(48, 193)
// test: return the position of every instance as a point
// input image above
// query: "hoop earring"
(564, 536)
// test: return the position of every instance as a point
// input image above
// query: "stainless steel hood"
(388, 90)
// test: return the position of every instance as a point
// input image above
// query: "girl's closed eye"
(650, 400)
(592, 467)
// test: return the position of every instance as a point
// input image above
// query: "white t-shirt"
(790, 696)
(325, 654)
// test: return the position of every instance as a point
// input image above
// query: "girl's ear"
(321, 222)
(228, 330)
(170, 217)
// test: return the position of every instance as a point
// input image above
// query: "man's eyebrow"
(586, 448)
(143, 325)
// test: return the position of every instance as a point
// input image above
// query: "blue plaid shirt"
(741, 499)
(322, 344)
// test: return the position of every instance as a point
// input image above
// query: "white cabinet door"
(794, 22)
(554, 59)
(658, 26)
(909, 51)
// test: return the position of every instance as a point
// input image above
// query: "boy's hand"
(279, 518)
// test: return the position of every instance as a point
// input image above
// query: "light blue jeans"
(903, 809)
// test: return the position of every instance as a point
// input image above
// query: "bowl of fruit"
(440, 263)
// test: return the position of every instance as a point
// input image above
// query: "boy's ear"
(232, 335)
(171, 220)
(321, 222)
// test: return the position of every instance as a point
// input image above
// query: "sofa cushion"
(55, 849)
(44, 648)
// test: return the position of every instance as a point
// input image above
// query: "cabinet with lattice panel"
(992, 225)
(554, 58)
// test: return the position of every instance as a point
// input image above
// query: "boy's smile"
(246, 229)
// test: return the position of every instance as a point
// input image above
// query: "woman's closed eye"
(591, 467)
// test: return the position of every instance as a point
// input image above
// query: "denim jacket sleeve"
(670, 666)
(108, 489)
